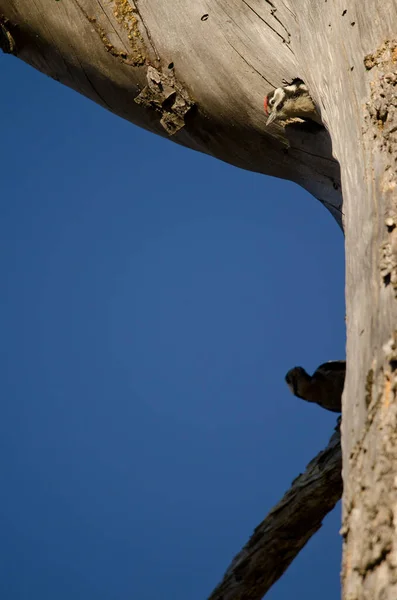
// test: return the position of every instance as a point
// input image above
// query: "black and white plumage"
(324, 387)
(291, 101)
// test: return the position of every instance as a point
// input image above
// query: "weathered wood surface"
(350, 64)
(194, 71)
(286, 529)
(197, 72)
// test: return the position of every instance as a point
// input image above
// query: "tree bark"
(197, 72)
(193, 71)
(286, 529)
(355, 56)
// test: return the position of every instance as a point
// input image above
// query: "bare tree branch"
(286, 529)
(194, 72)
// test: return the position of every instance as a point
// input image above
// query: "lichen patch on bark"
(124, 12)
(134, 52)
(129, 58)
(163, 92)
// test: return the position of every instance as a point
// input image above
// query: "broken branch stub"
(286, 529)
(164, 95)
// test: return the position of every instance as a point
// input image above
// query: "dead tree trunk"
(355, 55)
(198, 72)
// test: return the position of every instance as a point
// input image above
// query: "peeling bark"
(164, 95)
(286, 529)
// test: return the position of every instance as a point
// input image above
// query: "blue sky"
(152, 301)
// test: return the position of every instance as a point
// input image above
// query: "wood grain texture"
(202, 69)
(286, 529)
(224, 63)
(350, 65)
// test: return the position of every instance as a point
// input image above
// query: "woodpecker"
(290, 101)
(324, 387)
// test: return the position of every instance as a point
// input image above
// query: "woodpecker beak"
(271, 117)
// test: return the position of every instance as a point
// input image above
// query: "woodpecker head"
(289, 101)
(272, 103)
(296, 378)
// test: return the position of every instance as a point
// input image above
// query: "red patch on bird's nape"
(266, 105)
